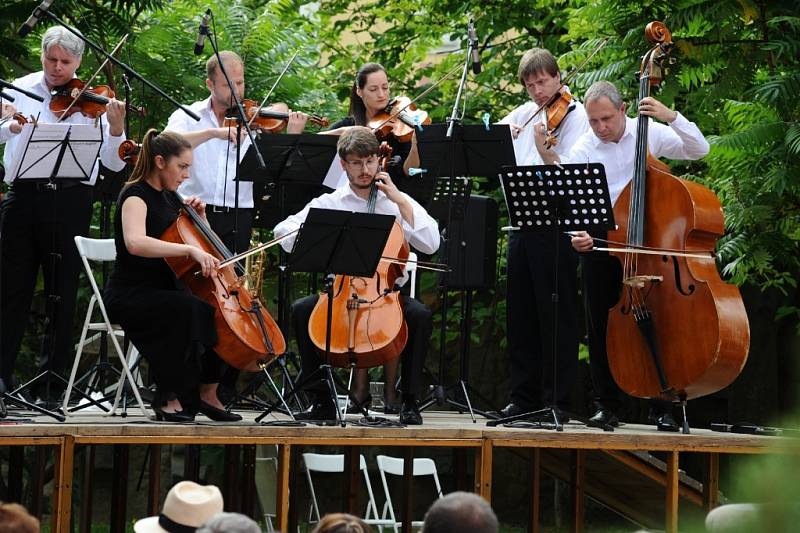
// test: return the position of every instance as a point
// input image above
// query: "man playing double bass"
(358, 150)
(612, 142)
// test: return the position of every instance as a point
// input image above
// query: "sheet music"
(336, 175)
(37, 153)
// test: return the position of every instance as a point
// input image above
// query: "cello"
(368, 328)
(247, 336)
(678, 331)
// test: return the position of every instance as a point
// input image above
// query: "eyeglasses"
(357, 165)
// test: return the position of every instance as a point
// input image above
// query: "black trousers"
(419, 321)
(224, 223)
(180, 378)
(37, 223)
(530, 319)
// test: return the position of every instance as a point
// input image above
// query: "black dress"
(172, 328)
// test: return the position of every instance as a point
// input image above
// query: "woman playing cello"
(172, 328)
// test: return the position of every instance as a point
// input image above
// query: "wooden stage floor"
(441, 429)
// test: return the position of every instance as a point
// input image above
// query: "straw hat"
(187, 507)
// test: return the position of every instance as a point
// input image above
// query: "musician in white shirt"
(530, 259)
(358, 149)
(40, 220)
(612, 142)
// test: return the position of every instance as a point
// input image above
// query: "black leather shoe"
(176, 416)
(666, 422)
(409, 414)
(319, 410)
(217, 415)
(603, 418)
(355, 409)
(512, 409)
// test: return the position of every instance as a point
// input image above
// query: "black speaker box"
(472, 246)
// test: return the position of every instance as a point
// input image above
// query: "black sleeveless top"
(132, 270)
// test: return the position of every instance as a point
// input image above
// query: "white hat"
(186, 507)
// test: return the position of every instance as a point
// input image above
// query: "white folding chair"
(394, 466)
(267, 482)
(411, 268)
(101, 250)
(334, 463)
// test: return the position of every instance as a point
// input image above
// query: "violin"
(678, 331)
(556, 110)
(272, 118)
(247, 336)
(398, 120)
(367, 326)
(75, 97)
(128, 151)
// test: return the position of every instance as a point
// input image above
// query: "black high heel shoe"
(353, 408)
(217, 415)
(176, 416)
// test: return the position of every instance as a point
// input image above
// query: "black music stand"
(471, 150)
(296, 165)
(54, 153)
(337, 242)
(555, 198)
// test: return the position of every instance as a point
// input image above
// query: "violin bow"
(89, 81)
(269, 244)
(395, 114)
(648, 250)
(277, 81)
(566, 80)
(426, 265)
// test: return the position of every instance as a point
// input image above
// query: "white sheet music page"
(41, 144)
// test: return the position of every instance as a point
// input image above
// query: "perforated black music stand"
(555, 198)
(337, 242)
(471, 150)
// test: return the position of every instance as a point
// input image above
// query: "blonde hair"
(228, 57)
(166, 144)
(14, 518)
(341, 523)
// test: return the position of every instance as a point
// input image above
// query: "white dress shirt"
(680, 140)
(213, 171)
(572, 127)
(424, 235)
(36, 84)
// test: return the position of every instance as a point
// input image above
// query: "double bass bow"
(247, 336)
(678, 331)
(367, 326)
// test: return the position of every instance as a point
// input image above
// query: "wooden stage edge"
(441, 429)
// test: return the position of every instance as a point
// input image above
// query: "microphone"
(473, 39)
(6, 96)
(202, 31)
(26, 28)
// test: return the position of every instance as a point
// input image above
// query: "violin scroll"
(128, 151)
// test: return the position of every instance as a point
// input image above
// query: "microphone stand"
(5, 85)
(439, 394)
(131, 72)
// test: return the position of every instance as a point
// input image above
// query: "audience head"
(341, 523)
(14, 518)
(460, 511)
(230, 523)
(187, 505)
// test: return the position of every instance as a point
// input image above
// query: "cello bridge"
(638, 282)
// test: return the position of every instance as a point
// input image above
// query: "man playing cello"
(358, 150)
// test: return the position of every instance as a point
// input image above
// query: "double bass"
(367, 326)
(247, 336)
(678, 331)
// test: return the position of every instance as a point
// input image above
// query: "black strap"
(174, 527)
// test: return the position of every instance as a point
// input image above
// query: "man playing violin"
(612, 142)
(530, 265)
(214, 172)
(40, 220)
(358, 150)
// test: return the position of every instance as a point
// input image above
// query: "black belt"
(223, 209)
(45, 186)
